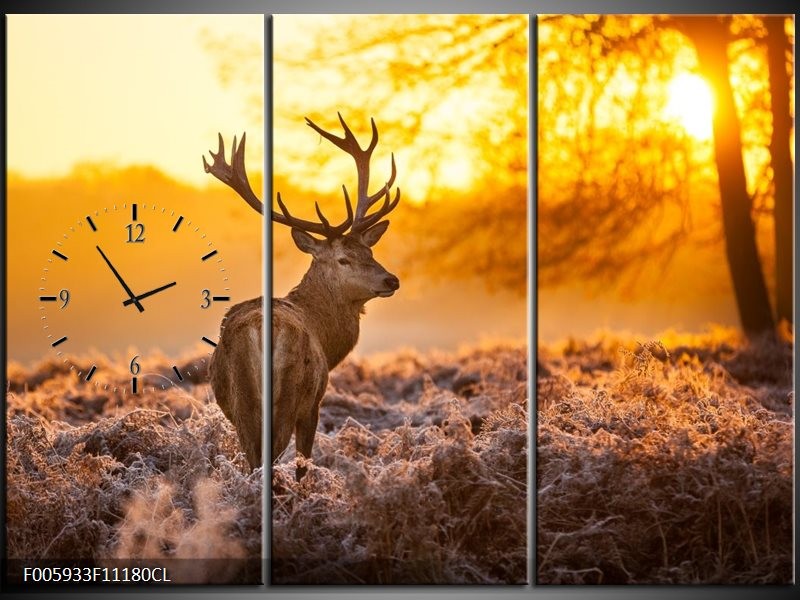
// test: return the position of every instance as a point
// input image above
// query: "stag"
(317, 324)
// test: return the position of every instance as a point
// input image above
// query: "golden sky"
(148, 90)
(311, 78)
(364, 66)
(129, 89)
(632, 131)
(109, 111)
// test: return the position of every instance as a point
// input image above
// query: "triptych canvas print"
(399, 299)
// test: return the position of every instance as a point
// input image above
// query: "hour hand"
(135, 299)
(127, 289)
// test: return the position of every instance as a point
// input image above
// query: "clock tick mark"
(177, 223)
(59, 341)
(208, 341)
(90, 374)
(91, 223)
(59, 255)
(134, 212)
(209, 255)
(177, 372)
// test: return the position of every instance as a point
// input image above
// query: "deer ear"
(371, 236)
(305, 242)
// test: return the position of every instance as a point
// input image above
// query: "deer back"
(236, 374)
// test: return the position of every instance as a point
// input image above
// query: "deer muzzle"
(390, 285)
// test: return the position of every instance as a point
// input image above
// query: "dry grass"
(665, 462)
(96, 476)
(418, 476)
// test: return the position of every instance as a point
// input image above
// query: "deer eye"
(344, 261)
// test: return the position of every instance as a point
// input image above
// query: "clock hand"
(122, 281)
(130, 301)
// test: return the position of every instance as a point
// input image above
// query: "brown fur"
(316, 325)
(313, 329)
(235, 373)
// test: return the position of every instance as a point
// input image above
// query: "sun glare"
(690, 103)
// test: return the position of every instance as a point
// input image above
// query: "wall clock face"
(132, 296)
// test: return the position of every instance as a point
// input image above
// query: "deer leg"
(305, 431)
(280, 439)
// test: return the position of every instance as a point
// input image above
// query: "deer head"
(342, 256)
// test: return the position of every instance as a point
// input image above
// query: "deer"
(316, 325)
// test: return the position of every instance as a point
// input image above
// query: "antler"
(323, 227)
(233, 175)
(361, 221)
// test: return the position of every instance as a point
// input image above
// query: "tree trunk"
(781, 161)
(710, 38)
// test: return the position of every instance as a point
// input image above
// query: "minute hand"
(122, 281)
(134, 299)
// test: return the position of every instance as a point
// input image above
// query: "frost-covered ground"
(418, 476)
(668, 461)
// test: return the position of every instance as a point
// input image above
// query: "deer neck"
(333, 320)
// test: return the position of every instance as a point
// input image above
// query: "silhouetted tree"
(779, 55)
(615, 184)
(636, 43)
(710, 36)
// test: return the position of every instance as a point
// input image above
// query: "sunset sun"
(690, 104)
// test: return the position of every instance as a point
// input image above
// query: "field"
(101, 476)
(665, 461)
(419, 475)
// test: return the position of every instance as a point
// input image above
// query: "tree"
(618, 188)
(616, 40)
(450, 97)
(613, 182)
(710, 37)
(779, 54)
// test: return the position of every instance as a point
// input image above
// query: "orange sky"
(120, 116)
(126, 89)
(430, 310)
(88, 97)
(162, 103)
(449, 126)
